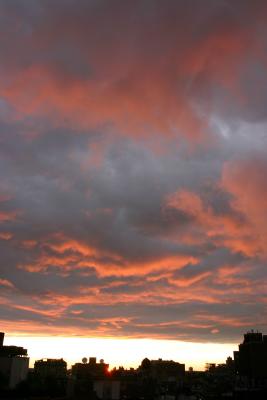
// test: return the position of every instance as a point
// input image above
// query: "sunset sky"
(133, 175)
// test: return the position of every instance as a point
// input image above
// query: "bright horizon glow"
(123, 352)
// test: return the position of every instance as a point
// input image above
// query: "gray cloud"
(106, 113)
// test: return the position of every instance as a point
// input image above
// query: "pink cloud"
(6, 283)
(8, 216)
(245, 179)
(125, 79)
(6, 235)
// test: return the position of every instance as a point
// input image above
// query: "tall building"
(251, 367)
(2, 336)
(14, 363)
(251, 359)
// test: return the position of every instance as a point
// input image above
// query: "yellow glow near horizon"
(126, 352)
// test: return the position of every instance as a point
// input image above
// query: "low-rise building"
(107, 389)
(90, 369)
(163, 370)
(91, 380)
(50, 367)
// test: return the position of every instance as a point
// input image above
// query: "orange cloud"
(245, 179)
(203, 224)
(65, 253)
(6, 283)
(146, 238)
(6, 235)
(8, 216)
(126, 80)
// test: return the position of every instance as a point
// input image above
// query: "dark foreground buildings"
(251, 367)
(241, 378)
(92, 379)
(14, 364)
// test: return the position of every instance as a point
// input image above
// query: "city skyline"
(113, 351)
(241, 377)
(133, 164)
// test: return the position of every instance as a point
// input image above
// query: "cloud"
(6, 283)
(91, 66)
(245, 180)
(132, 168)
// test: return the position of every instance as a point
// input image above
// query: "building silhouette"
(163, 370)
(91, 380)
(49, 367)
(251, 358)
(244, 378)
(49, 377)
(91, 369)
(14, 364)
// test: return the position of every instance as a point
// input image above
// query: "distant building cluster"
(241, 378)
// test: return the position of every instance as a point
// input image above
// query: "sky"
(133, 162)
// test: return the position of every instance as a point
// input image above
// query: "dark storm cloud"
(132, 167)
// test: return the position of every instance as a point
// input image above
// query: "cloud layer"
(133, 160)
